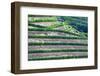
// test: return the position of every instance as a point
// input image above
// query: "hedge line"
(53, 58)
(34, 25)
(61, 50)
(44, 19)
(79, 44)
(57, 37)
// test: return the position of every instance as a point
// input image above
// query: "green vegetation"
(57, 27)
(53, 58)
(57, 37)
(79, 23)
(42, 43)
(43, 19)
(75, 25)
(47, 51)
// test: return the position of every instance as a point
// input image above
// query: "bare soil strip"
(57, 40)
(55, 47)
(49, 33)
(43, 23)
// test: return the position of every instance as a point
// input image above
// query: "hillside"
(57, 37)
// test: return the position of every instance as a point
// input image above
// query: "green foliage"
(57, 50)
(56, 37)
(44, 19)
(59, 57)
(79, 23)
(82, 34)
(69, 28)
(55, 25)
(42, 43)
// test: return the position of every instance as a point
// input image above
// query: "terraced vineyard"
(54, 37)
